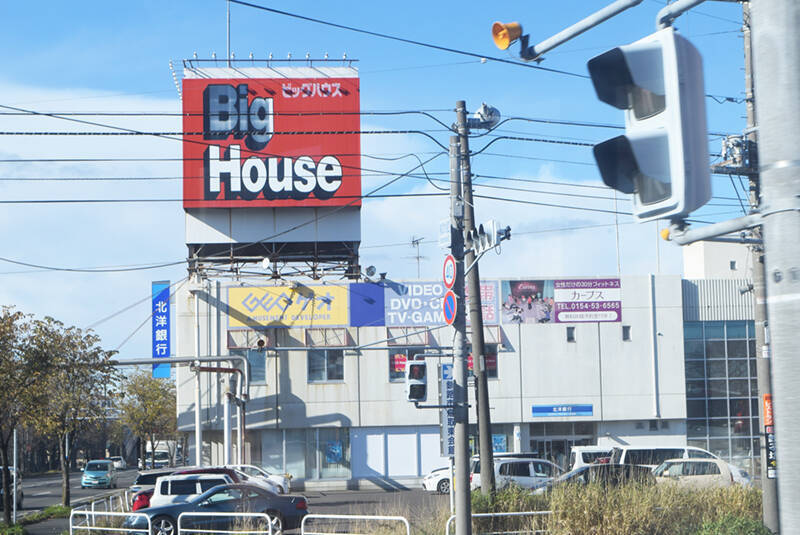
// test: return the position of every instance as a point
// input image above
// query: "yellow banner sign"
(283, 306)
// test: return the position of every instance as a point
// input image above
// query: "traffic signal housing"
(416, 380)
(663, 158)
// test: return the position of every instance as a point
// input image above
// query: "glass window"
(693, 349)
(754, 387)
(626, 333)
(753, 372)
(717, 388)
(179, 488)
(226, 495)
(715, 349)
(696, 408)
(570, 334)
(719, 447)
(696, 428)
(296, 454)
(740, 407)
(693, 330)
(206, 484)
(272, 451)
(741, 447)
(718, 408)
(751, 348)
(695, 369)
(325, 365)
(717, 369)
(737, 329)
(397, 361)
(697, 454)
(740, 426)
(334, 452)
(737, 349)
(739, 388)
(695, 389)
(698, 443)
(718, 427)
(737, 368)
(654, 456)
(714, 330)
(490, 360)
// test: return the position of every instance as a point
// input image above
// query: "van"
(653, 456)
(525, 470)
(584, 455)
(181, 488)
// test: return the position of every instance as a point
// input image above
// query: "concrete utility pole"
(475, 312)
(461, 480)
(769, 485)
(776, 56)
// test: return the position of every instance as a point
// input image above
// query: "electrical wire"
(91, 270)
(404, 40)
(148, 318)
(113, 315)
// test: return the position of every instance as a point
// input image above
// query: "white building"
(334, 416)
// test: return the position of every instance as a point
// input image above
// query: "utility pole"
(461, 480)
(475, 313)
(769, 485)
(776, 55)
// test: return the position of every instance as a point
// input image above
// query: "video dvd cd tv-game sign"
(271, 142)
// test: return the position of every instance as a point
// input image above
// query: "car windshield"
(97, 467)
(162, 456)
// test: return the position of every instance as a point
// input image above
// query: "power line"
(182, 199)
(404, 40)
(91, 270)
(148, 297)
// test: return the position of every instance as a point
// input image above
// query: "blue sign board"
(499, 444)
(562, 410)
(160, 320)
(447, 417)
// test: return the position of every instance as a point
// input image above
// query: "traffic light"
(486, 236)
(663, 158)
(416, 380)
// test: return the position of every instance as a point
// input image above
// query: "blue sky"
(114, 57)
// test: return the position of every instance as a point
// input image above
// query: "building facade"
(327, 401)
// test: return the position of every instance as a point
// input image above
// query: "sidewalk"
(48, 527)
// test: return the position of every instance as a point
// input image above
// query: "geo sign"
(267, 142)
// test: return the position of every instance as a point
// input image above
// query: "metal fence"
(336, 521)
(84, 521)
(537, 526)
(264, 527)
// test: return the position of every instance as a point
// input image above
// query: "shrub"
(734, 525)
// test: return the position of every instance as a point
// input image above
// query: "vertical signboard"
(160, 321)
(769, 432)
(447, 417)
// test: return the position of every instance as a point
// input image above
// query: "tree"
(19, 370)
(148, 408)
(79, 383)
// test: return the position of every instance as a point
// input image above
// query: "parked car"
(99, 474)
(235, 475)
(146, 480)
(583, 455)
(524, 470)
(286, 511)
(653, 456)
(20, 495)
(282, 482)
(437, 481)
(181, 488)
(606, 474)
(119, 463)
(694, 473)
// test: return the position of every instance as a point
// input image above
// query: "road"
(42, 491)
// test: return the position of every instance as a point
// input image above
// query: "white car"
(437, 481)
(278, 483)
(520, 469)
(181, 488)
(119, 463)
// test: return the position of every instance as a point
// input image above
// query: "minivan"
(653, 456)
(525, 470)
(584, 455)
(177, 489)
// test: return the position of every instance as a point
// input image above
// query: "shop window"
(693, 349)
(693, 330)
(397, 361)
(333, 447)
(325, 365)
(257, 360)
(490, 360)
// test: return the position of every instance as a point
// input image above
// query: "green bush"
(734, 525)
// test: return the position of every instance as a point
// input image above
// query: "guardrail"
(89, 524)
(535, 514)
(348, 519)
(268, 523)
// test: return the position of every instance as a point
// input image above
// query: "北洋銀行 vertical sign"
(160, 320)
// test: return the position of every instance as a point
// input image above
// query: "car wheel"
(276, 520)
(443, 487)
(163, 525)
